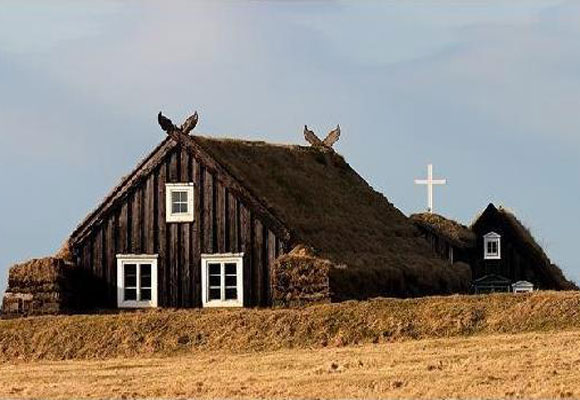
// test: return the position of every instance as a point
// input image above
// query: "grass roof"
(328, 206)
(456, 233)
(526, 235)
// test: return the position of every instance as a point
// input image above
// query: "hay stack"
(40, 286)
(300, 278)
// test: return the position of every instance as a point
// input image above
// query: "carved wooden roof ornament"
(168, 126)
(327, 143)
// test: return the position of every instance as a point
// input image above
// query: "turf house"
(205, 222)
(501, 251)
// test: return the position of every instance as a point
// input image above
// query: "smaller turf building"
(501, 252)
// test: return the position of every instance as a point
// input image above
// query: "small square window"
(179, 202)
(492, 246)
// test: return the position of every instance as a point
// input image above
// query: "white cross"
(430, 182)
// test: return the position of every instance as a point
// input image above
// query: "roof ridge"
(256, 142)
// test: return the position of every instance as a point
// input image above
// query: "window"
(492, 246)
(222, 278)
(136, 281)
(179, 202)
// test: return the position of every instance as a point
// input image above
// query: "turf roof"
(456, 233)
(328, 206)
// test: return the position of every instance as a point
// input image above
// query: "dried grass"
(542, 366)
(300, 278)
(524, 233)
(171, 332)
(458, 234)
(37, 274)
(65, 252)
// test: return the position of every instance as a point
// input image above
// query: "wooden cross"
(430, 182)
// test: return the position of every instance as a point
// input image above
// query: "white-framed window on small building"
(179, 202)
(136, 280)
(492, 246)
(222, 280)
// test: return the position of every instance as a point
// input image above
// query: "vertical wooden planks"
(87, 296)
(87, 258)
(136, 222)
(97, 266)
(258, 259)
(97, 254)
(208, 213)
(111, 261)
(272, 249)
(173, 264)
(173, 234)
(149, 215)
(232, 225)
(185, 242)
(196, 232)
(163, 285)
(173, 173)
(220, 216)
(246, 233)
(122, 231)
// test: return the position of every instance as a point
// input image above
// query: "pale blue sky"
(489, 91)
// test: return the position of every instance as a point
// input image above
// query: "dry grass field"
(498, 346)
(545, 365)
(165, 332)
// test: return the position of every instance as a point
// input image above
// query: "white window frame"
(238, 259)
(137, 259)
(492, 237)
(178, 187)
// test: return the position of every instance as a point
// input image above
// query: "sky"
(487, 91)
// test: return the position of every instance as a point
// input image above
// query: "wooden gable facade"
(132, 220)
(519, 255)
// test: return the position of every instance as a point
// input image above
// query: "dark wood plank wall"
(222, 223)
(517, 262)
